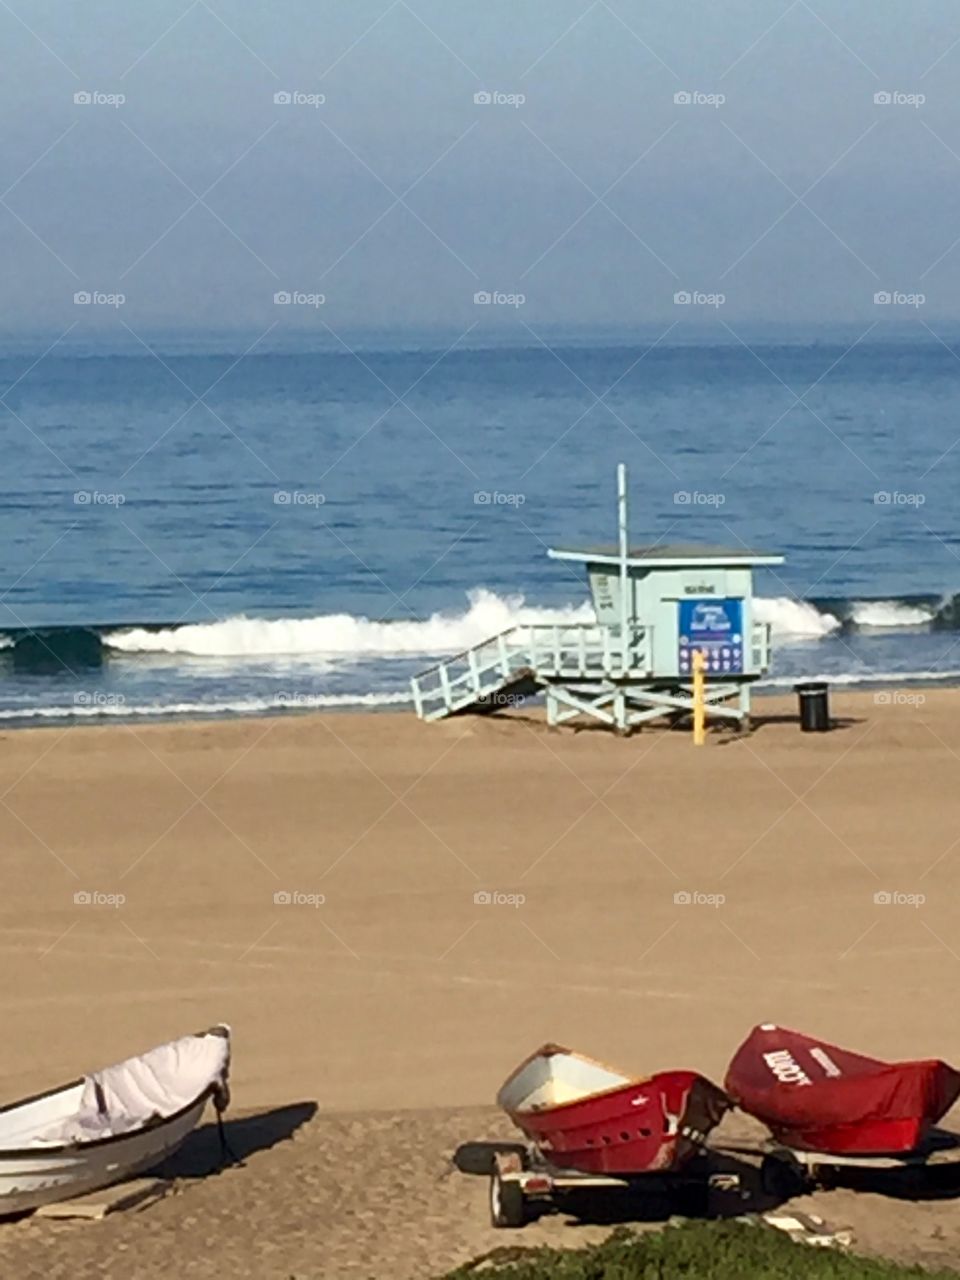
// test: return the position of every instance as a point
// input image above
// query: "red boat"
(816, 1097)
(584, 1116)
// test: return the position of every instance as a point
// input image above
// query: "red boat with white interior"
(582, 1115)
(814, 1096)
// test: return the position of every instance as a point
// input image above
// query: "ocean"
(196, 529)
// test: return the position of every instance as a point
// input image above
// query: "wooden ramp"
(511, 692)
(497, 673)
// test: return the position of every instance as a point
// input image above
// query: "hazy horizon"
(578, 191)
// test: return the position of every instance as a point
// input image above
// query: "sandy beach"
(450, 897)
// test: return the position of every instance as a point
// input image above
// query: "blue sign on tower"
(714, 626)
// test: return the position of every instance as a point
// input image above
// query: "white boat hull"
(33, 1178)
(112, 1124)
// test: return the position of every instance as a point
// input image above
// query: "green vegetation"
(692, 1251)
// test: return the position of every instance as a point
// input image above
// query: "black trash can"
(814, 706)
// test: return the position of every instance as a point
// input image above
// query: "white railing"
(760, 647)
(547, 650)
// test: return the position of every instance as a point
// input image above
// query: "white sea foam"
(798, 619)
(238, 706)
(344, 635)
(793, 618)
(862, 677)
(889, 613)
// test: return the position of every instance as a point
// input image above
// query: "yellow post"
(699, 717)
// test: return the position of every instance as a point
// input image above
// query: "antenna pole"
(622, 518)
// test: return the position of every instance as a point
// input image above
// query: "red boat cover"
(821, 1098)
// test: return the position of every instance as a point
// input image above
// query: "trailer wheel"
(782, 1179)
(507, 1205)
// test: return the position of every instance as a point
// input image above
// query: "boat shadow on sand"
(204, 1152)
(742, 1189)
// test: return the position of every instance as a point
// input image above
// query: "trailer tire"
(507, 1205)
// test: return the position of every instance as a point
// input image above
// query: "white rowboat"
(111, 1124)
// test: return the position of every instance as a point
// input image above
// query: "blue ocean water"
(196, 531)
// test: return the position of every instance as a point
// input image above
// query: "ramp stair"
(518, 662)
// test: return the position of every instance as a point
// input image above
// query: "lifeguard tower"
(655, 607)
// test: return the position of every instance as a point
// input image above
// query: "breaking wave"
(796, 618)
(890, 613)
(345, 635)
(332, 639)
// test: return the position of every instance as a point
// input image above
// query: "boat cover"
(146, 1089)
(818, 1097)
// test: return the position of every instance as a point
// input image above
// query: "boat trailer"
(523, 1184)
(787, 1171)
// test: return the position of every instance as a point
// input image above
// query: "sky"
(625, 165)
